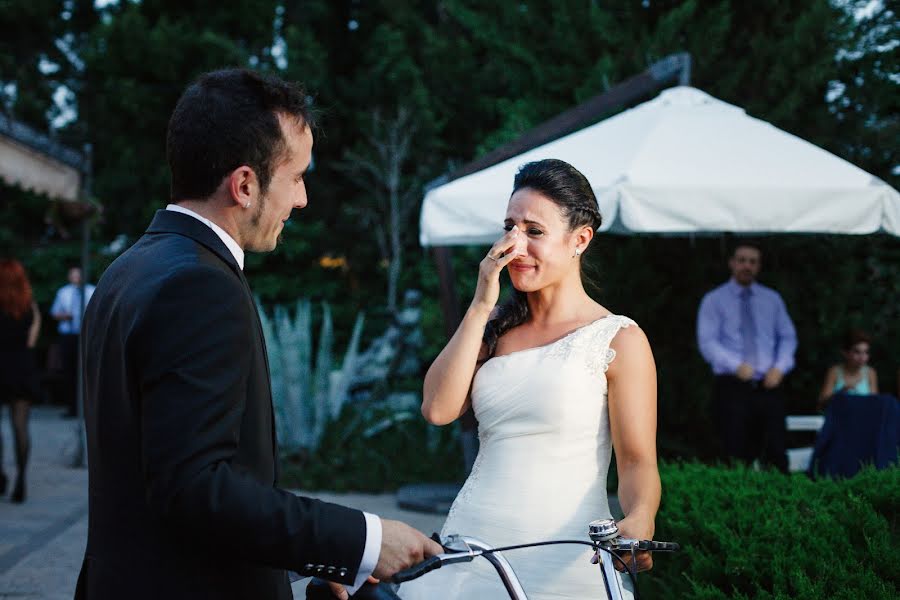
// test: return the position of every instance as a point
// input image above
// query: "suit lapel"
(265, 352)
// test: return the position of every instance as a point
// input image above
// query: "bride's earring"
(577, 252)
(247, 205)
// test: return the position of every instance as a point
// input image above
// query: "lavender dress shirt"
(719, 330)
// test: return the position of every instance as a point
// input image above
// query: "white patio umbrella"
(683, 162)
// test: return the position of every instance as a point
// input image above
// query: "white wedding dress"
(540, 473)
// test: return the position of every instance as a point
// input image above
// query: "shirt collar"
(229, 241)
(736, 288)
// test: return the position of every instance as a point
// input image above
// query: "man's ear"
(243, 186)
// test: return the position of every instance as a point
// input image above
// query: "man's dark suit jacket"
(181, 445)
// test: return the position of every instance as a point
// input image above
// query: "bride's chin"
(524, 286)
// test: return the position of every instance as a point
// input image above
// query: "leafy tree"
(137, 63)
(31, 62)
(864, 98)
(380, 176)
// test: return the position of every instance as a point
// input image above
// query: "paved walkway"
(42, 541)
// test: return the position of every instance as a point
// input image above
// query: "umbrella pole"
(79, 454)
(449, 299)
(450, 308)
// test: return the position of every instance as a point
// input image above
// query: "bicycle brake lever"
(627, 544)
(456, 543)
(436, 537)
(459, 557)
(623, 544)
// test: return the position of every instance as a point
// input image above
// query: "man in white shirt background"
(68, 308)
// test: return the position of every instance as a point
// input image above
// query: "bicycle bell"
(603, 530)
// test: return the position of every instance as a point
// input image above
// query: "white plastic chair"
(798, 458)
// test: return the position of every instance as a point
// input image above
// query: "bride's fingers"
(644, 561)
(503, 246)
(505, 260)
(501, 261)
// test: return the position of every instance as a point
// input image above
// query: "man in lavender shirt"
(746, 335)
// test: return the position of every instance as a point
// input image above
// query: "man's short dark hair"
(226, 119)
(746, 244)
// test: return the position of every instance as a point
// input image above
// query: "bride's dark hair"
(570, 191)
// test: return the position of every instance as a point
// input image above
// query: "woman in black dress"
(20, 323)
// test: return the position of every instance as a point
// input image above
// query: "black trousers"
(750, 420)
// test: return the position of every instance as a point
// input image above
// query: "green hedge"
(354, 457)
(758, 534)
(744, 533)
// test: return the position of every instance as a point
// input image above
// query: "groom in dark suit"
(178, 406)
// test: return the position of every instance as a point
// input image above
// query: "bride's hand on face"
(503, 252)
(638, 529)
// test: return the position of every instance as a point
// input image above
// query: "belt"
(752, 383)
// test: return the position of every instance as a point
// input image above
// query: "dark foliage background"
(471, 75)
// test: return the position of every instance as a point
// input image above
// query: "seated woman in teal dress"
(854, 375)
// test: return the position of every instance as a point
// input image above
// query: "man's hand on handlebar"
(402, 547)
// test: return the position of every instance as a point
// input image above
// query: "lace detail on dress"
(591, 343)
(610, 356)
(463, 496)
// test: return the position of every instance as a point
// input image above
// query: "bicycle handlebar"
(416, 571)
(622, 544)
(613, 545)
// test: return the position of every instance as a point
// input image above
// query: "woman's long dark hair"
(570, 191)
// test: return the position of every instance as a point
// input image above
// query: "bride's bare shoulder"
(632, 351)
(629, 336)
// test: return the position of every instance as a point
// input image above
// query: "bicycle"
(605, 540)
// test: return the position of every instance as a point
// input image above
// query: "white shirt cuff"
(370, 554)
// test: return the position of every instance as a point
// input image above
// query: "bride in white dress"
(556, 382)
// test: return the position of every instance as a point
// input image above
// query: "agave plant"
(307, 395)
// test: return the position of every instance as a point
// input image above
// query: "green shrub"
(376, 449)
(758, 534)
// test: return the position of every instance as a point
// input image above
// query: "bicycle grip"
(416, 571)
(654, 546)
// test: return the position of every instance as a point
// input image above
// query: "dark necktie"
(748, 328)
